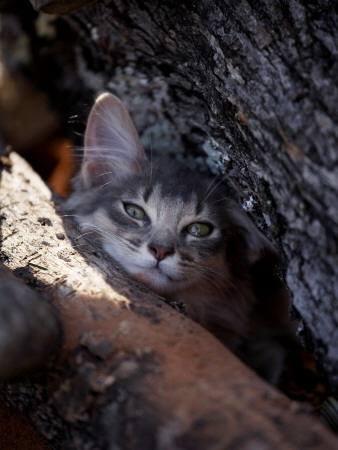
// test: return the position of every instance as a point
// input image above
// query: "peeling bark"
(133, 372)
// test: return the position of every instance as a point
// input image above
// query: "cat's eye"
(199, 229)
(134, 211)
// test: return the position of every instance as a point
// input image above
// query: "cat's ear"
(248, 243)
(252, 255)
(112, 146)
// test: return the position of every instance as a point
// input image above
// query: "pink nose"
(160, 252)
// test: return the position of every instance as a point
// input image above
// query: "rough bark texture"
(16, 433)
(132, 373)
(59, 6)
(249, 89)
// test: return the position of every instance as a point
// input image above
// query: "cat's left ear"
(249, 243)
(112, 145)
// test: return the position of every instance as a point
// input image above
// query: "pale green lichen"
(267, 219)
(120, 83)
(162, 139)
(215, 157)
(248, 205)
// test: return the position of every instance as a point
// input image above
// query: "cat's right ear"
(112, 146)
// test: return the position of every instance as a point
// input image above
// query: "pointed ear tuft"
(112, 146)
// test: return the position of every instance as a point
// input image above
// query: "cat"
(177, 232)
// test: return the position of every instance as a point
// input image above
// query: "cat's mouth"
(159, 279)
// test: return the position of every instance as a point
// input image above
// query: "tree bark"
(132, 372)
(249, 89)
(59, 6)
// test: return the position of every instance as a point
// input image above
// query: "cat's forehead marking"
(169, 209)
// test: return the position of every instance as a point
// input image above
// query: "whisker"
(84, 234)
(222, 199)
(212, 182)
(105, 184)
(151, 160)
(215, 187)
(120, 239)
(211, 277)
(105, 173)
(70, 215)
(78, 245)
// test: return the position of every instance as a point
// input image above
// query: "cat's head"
(173, 229)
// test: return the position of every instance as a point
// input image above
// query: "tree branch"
(132, 372)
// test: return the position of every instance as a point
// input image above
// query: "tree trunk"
(132, 372)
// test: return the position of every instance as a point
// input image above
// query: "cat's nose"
(160, 252)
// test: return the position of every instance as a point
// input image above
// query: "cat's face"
(169, 227)
(167, 236)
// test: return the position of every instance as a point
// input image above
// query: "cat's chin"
(158, 281)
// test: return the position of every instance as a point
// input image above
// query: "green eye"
(199, 229)
(134, 211)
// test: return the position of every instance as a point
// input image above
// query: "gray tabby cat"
(178, 233)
